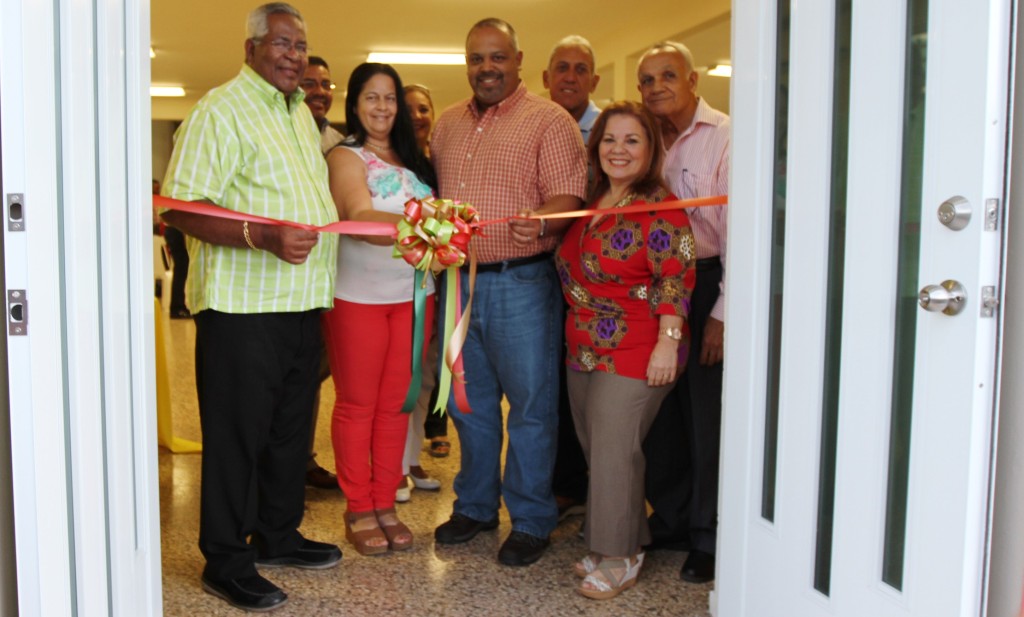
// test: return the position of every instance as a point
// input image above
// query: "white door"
(75, 177)
(857, 424)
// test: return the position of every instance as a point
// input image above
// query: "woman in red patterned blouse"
(627, 279)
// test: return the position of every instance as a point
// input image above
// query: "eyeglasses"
(283, 45)
(311, 84)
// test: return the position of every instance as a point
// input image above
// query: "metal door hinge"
(17, 312)
(989, 301)
(15, 212)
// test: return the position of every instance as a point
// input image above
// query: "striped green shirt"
(245, 148)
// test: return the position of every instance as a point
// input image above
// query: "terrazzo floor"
(451, 581)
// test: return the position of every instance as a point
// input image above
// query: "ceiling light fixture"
(720, 70)
(166, 91)
(388, 57)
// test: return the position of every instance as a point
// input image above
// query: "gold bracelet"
(245, 232)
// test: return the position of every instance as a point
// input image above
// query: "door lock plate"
(17, 312)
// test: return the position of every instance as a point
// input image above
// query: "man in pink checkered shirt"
(509, 153)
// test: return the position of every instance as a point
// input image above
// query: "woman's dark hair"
(646, 183)
(402, 138)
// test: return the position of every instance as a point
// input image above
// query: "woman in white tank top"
(369, 331)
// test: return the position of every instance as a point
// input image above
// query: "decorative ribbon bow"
(433, 237)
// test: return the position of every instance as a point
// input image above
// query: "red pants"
(369, 347)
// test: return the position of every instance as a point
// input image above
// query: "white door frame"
(76, 143)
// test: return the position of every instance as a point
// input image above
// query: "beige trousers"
(612, 415)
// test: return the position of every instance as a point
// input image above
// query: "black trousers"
(682, 446)
(572, 476)
(179, 254)
(256, 376)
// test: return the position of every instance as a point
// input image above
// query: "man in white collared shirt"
(570, 80)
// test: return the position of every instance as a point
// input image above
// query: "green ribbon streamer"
(419, 316)
(445, 383)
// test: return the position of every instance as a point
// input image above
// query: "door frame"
(76, 143)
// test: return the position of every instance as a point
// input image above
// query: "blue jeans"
(511, 349)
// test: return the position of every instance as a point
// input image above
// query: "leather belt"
(501, 266)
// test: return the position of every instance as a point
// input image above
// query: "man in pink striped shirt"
(682, 483)
(509, 152)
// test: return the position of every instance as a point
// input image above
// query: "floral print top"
(369, 273)
(618, 277)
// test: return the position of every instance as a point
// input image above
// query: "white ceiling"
(199, 43)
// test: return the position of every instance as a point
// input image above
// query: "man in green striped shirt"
(256, 292)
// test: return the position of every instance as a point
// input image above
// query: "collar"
(266, 90)
(705, 114)
(501, 106)
(589, 116)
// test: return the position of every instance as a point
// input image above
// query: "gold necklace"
(376, 147)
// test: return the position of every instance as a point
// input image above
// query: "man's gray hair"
(256, 26)
(498, 24)
(683, 50)
(575, 40)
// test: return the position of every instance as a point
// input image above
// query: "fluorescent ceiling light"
(166, 91)
(721, 70)
(388, 57)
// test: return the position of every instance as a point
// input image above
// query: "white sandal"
(585, 566)
(604, 584)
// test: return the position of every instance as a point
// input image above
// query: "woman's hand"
(661, 368)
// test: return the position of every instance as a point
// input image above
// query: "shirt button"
(479, 129)
(462, 185)
(469, 156)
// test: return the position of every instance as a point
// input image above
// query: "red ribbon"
(453, 355)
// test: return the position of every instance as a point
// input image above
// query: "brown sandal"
(394, 529)
(361, 529)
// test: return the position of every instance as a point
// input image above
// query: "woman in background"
(368, 333)
(627, 279)
(423, 423)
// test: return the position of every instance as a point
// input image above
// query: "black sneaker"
(310, 555)
(522, 549)
(249, 593)
(461, 528)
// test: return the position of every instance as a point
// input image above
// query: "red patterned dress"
(618, 276)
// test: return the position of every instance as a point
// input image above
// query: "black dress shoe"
(310, 555)
(460, 528)
(522, 549)
(698, 568)
(318, 477)
(249, 593)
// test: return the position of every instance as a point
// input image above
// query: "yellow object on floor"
(164, 427)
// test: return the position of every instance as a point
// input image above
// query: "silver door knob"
(950, 297)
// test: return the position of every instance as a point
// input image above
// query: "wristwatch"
(673, 333)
